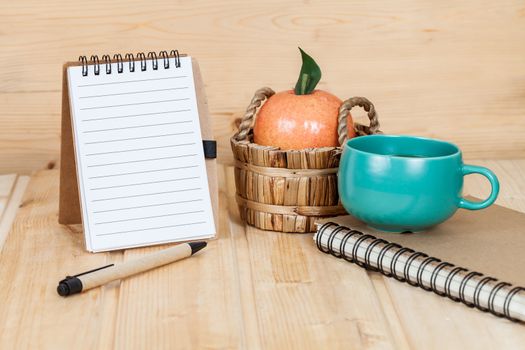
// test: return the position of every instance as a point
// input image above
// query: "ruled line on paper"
(142, 160)
(135, 115)
(146, 194)
(148, 206)
(140, 137)
(137, 126)
(140, 149)
(132, 81)
(135, 104)
(145, 183)
(143, 172)
(135, 92)
(149, 217)
(152, 228)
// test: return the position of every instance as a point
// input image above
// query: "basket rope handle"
(344, 110)
(249, 116)
(265, 93)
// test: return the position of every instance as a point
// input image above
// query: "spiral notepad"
(139, 153)
(477, 239)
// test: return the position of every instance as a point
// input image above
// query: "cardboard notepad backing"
(491, 241)
(69, 202)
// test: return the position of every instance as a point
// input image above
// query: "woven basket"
(288, 190)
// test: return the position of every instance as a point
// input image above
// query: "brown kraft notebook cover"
(491, 241)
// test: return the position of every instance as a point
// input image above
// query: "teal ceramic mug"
(405, 183)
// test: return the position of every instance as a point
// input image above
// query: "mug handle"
(474, 169)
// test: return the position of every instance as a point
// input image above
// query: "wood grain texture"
(7, 183)
(33, 258)
(442, 69)
(159, 309)
(12, 188)
(248, 289)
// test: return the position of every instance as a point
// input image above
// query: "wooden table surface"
(452, 70)
(248, 289)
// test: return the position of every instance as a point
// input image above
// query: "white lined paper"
(141, 169)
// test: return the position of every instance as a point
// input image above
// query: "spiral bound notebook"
(138, 165)
(446, 259)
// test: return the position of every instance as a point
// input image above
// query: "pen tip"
(196, 246)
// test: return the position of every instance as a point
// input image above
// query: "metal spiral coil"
(175, 54)
(142, 57)
(107, 61)
(96, 64)
(84, 61)
(120, 65)
(131, 63)
(151, 58)
(165, 58)
(154, 62)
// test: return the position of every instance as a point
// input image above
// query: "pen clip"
(97, 269)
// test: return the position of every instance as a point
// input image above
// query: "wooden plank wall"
(447, 69)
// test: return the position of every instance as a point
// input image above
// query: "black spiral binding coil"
(349, 234)
(130, 58)
(131, 63)
(107, 61)
(448, 282)
(165, 58)
(331, 241)
(434, 276)
(84, 61)
(405, 277)
(381, 255)
(355, 249)
(120, 65)
(408, 265)
(462, 286)
(368, 252)
(96, 64)
(393, 263)
(155, 62)
(142, 59)
(477, 291)
(419, 278)
(508, 298)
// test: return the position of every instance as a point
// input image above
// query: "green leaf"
(309, 76)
